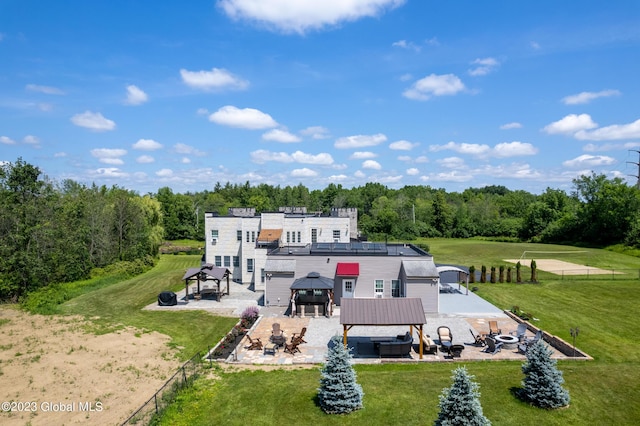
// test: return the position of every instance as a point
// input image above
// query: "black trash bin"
(167, 298)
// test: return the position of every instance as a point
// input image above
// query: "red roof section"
(348, 269)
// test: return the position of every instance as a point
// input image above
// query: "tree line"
(59, 232)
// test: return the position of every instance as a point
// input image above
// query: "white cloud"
(434, 85)
(185, 160)
(216, 79)
(302, 16)
(512, 125)
(147, 145)
(337, 178)
(421, 159)
(109, 173)
(586, 160)
(47, 90)
(135, 96)
(572, 123)
(483, 66)
(164, 173)
(93, 121)
(451, 162)
(359, 141)
(610, 146)
(362, 155)
(7, 140)
(405, 158)
(514, 149)
(320, 159)
(182, 148)
(304, 172)
(246, 118)
(262, 156)
(586, 97)
(413, 171)
(404, 44)
(452, 176)
(31, 140)
(371, 164)
(462, 148)
(405, 77)
(145, 159)
(316, 132)
(109, 155)
(402, 145)
(613, 132)
(277, 135)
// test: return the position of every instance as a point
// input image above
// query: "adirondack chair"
(277, 335)
(478, 340)
(527, 343)
(493, 328)
(492, 347)
(520, 332)
(254, 344)
(292, 347)
(299, 336)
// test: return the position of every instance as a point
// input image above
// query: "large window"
(299, 235)
(288, 236)
(214, 233)
(236, 261)
(239, 234)
(253, 236)
(249, 265)
(395, 288)
(218, 261)
(336, 235)
(314, 235)
(227, 261)
(379, 288)
(247, 236)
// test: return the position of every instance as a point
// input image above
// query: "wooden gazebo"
(206, 273)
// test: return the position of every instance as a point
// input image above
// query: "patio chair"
(445, 336)
(428, 345)
(254, 344)
(520, 332)
(292, 347)
(299, 336)
(277, 335)
(478, 340)
(492, 347)
(527, 343)
(493, 328)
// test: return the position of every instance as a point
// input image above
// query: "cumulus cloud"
(613, 132)
(316, 132)
(404, 44)
(7, 140)
(359, 174)
(321, 159)
(371, 164)
(302, 16)
(451, 162)
(216, 79)
(512, 125)
(514, 149)
(304, 172)
(93, 121)
(462, 148)
(182, 148)
(359, 141)
(586, 97)
(109, 155)
(31, 140)
(145, 159)
(586, 160)
(452, 176)
(47, 90)
(245, 118)
(572, 123)
(164, 173)
(362, 155)
(337, 178)
(402, 145)
(483, 66)
(413, 171)
(147, 145)
(135, 95)
(434, 85)
(109, 173)
(590, 147)
(278, 135)
(262, 156)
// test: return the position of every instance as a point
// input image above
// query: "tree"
(472, 274)
(542, 385)
(493, 274)
(501, 276)
(483, 274)
(460, 404)
(534, 271)
(518, 272)
(339, 392)
(509, 274)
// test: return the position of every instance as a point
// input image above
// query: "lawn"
(603, 391)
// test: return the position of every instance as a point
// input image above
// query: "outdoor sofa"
(401, 346)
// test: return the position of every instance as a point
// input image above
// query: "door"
(348, 288)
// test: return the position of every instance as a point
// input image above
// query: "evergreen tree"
(542, 385)
(509, 274)
(339, 392)
(460, 404)
(483, 274)
(518, 272)
(534, 271)
(501, 276)
(472, 274)
(493, 274)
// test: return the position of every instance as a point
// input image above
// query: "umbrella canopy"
(313, 281)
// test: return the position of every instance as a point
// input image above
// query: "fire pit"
(508, 341)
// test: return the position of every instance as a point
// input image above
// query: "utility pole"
(637, 164)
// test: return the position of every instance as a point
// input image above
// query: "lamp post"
(574, 333)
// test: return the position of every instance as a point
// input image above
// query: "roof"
(209, 270)
(420, 268)
(449, 268)
(389, 311)
(276, 265)
(313, 280)
(346, 269)
(269, 235)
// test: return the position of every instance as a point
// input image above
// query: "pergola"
(379, 312)
(449, 268)
(313, 281)
(207, 272)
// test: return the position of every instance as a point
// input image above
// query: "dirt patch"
(66, 376)
(560, 267)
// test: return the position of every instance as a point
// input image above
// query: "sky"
(450, 94)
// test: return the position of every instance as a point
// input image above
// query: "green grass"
(603, 391)
(121, 304)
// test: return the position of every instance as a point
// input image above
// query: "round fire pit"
(508, 341)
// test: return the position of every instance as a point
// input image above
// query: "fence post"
(155, 399)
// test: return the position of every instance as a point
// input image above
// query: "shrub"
(542, 385)
(460, 404)
(339, 392)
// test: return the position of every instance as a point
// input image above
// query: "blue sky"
(451, 94)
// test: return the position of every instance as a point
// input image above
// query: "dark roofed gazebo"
(207, 272)
(315, 283)
(380, 312)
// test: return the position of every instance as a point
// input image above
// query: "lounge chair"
(254, 344)
(299, 336)
(493, 328)
(277, 335)
(520, 332)
(445, 336)
(428, 345)
(478, 340)
(492, 347)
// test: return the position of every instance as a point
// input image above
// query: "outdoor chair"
(520, 332)
(445, 336)
(299, 336)
(527, 343)
(428, 345)
(478, 340)
(254, 344)
(492, 347)
(277, 335)
(493, 328)
(292, 347)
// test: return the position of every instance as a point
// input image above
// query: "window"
(239, 234)
(379, 288)
(348, 287)
(227, 261)
(314, 235)
(262, 275)
(288, 236)
(218, 260)
(247, 236)
(236, 261)
(253, 236)
(214, 233)
(336, 234)
(299, 235)
(395, 288)
(249, 265)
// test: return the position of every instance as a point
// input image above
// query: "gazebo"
(313, 289)
(207, 272)
(379, 312)
(461, 272)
